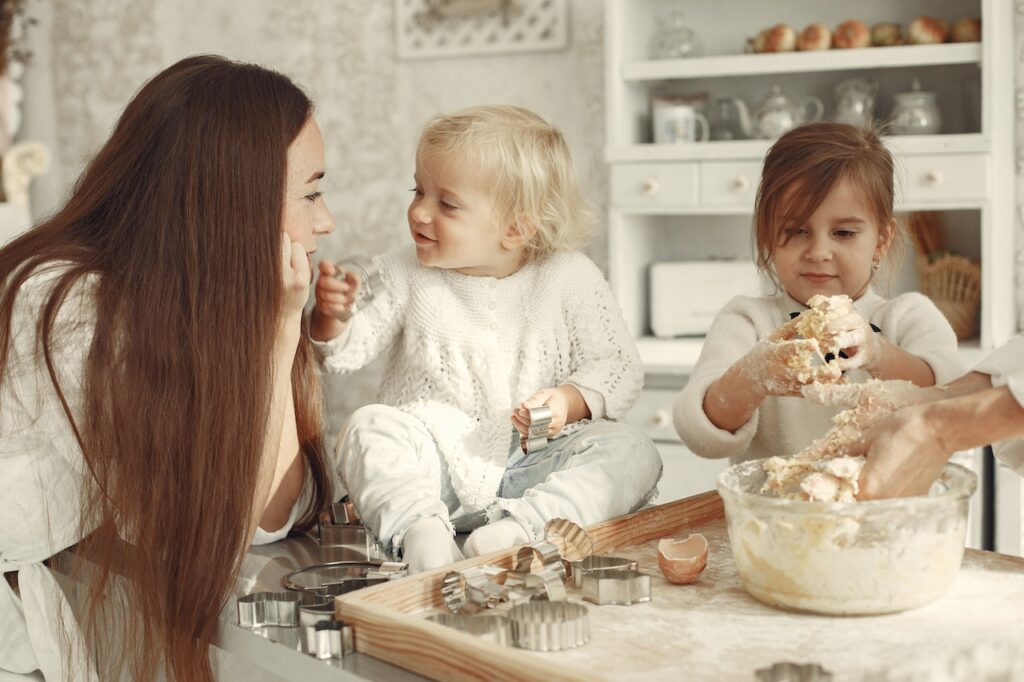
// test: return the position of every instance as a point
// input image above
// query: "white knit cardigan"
(463, 351)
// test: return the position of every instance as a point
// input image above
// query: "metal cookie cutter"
(576, 542)
(370, 280)
(549, 626)
(793, 672)
(491, 626)
(536, 437)
(350, 535)
(332, 639)
(616, 587)
(338, 577)
(474, 589)
(541, 555)
(260, 609)
(597, 564)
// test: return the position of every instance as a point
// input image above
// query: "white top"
(42, 467)
(786, 425)
(1006, 367)
(464, 351)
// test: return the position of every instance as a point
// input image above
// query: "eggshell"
(682, 561)
(852, 33)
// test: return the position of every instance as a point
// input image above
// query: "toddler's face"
(454, 219)
(833, 252)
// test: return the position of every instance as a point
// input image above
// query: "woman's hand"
(295, 275)
(905, 454)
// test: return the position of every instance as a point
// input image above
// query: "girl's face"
(834, 251)
(454, 219)
(305, 215)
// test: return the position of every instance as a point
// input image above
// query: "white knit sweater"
(464, 351)
(786, 425)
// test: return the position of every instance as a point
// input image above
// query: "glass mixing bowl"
(853, 558)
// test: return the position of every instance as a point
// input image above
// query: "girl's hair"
(530, 165)
(803, 166)
(178, 221)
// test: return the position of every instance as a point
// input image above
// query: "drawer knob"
(741, 183)
(933, 177)
(661, 418)
(651, 187)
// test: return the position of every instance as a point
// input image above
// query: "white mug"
(678, 124)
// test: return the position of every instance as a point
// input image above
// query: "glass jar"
(673, 39)
(915, 112)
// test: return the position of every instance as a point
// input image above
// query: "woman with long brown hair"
(159, 404)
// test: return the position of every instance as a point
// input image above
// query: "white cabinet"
(694, 201)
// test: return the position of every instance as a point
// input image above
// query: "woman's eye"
(314, 196)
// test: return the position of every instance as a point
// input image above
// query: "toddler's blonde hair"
(530, 164)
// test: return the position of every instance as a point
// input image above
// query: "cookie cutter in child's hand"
(536, 438)
(549, 626)
(370, 280)
(620, 586)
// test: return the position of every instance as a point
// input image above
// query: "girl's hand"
(783, 367)
(334, 296)
(553, 398)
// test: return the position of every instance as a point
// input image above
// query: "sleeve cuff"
(331, 347)
(265, 537)
(593, 399)
(1006, 367)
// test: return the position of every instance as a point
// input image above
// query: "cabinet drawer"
(685, 473)
(729, 183)
(653, 414)
(945, 177)
(654, 184)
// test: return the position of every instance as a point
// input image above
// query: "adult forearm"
(289, 474)
(974, 419)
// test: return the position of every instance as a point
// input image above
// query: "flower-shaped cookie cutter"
(549, 626)
(536, 438)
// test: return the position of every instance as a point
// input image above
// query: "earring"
(875, 265)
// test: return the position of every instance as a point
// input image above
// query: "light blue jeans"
(395, 474)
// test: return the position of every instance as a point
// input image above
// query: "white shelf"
(678, 356)
(792, 62)
(756, 149)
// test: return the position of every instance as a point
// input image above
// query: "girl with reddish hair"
(823, 224)
(159, 403)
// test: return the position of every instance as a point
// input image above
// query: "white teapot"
(855, 102)
(777, 114)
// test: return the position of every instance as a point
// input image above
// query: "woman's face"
(305, 215)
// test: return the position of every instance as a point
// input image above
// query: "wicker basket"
(954, 285)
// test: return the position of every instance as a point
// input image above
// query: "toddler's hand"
(858, 341)
(551, 397)
(334, 297)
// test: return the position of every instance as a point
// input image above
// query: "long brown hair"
(803, 166)
(179, 215)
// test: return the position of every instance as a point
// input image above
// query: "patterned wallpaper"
(369, 104)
